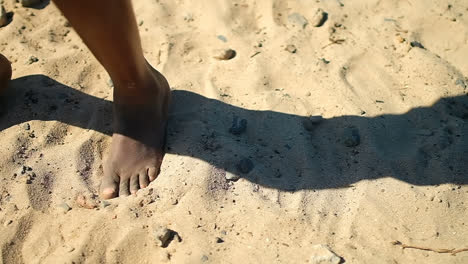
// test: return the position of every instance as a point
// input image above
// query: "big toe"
(109, 187)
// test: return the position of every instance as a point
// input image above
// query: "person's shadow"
(426, 146)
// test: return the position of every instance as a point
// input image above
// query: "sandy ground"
(388, 162)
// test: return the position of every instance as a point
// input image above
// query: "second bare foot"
(140, 115)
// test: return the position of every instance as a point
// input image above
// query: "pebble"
(224, 54)
(3, 17)
(110, 83)
(298, 19)
(219, 240)
(319, 18)
(461, 83)
(85, 202)
(164, 236)
(231, 176)
(416, 44)
(325, 60)
(7, 223)
(28, 179)
(245, 166)
(425, 132)
(32, 60)
(322, 254)
(311, 122)
(222, 38)
(351, 137)
(64, 207)
(204, 258)
(30, 3)
(400, 39)
(69, 248)
(105, 203)
(291, 48)
(26, 126)
(238, 127)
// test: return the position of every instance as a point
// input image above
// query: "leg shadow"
(426, 146)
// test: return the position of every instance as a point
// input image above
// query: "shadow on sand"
(426, 146)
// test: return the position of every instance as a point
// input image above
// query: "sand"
(383, 159)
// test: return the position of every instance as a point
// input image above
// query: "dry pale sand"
(387, 163)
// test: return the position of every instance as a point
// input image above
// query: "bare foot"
(5, 73)
(140, 115)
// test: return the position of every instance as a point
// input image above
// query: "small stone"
(416, 44)
(222, 38)
(105, 203)
(461, 83)
(164, 236)
(85, 202)
(7, 223)
(400, 39)
(425, 132)
(322, 254)
(291, 48)
(245, 166)
(238, 127)
(319, 18)
(69, 248)
(299, 19)
(3, 17)
(315, 119)
(26, 126)
(204, 258)
(224, 54)
(219, 240)
(231, 176)
(32, 60)
(311, 122)
(28, 179)
(30, 3)
(351, 137)
(325, 60)
(64, 207)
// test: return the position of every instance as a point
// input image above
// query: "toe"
(134, 184)
(144, 179)
(153, 173)
(124, 188)
(109, 186)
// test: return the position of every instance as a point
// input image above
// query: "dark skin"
(141, 93)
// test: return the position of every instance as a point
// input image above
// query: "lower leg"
(141, 94)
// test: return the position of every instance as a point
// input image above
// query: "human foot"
(5, 73)
(140, 115)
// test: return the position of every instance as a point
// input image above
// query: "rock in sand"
(351, 137)
(164, 236)
(319, 18)
(224, 54)
(299, 19)
(245, 166)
